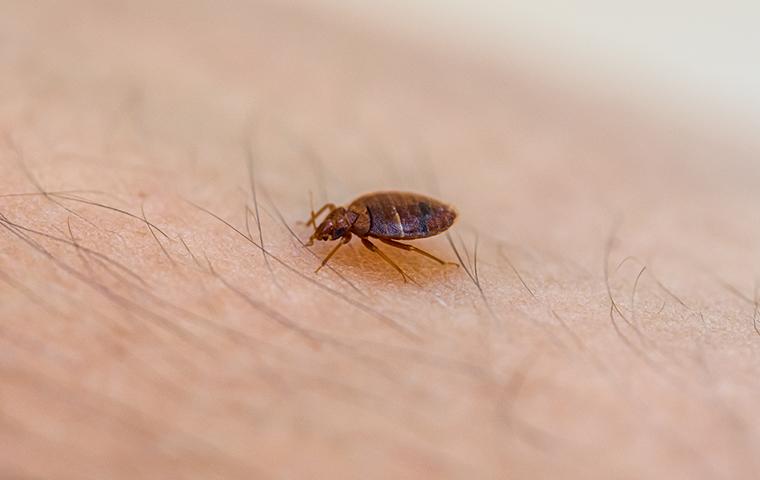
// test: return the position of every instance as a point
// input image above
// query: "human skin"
(146, 334)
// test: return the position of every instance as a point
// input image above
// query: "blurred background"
(692, 56)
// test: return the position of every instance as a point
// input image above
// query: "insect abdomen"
(398, 215)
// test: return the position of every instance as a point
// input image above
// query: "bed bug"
(385, 216)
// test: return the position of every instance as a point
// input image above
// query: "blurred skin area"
(603, 329)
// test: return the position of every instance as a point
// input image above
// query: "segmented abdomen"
(399, 215)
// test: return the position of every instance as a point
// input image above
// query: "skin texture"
(603, 329)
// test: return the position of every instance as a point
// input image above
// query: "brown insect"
(386, 216)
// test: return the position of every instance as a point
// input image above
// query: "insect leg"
(343, 241)
(313, 219)
(412, 248)
(372, 247)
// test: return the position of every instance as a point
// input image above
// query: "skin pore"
(159, 315)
